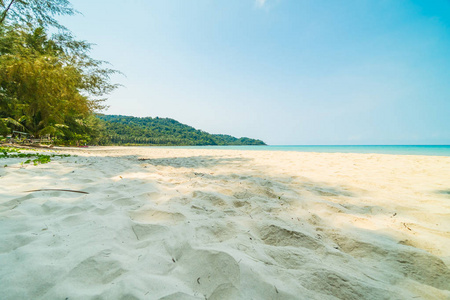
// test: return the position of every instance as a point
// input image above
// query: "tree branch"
(6, 11)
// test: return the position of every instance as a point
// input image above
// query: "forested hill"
(119, 129)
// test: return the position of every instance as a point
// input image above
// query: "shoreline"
(226, 224)
(421, 150)
(250, 148)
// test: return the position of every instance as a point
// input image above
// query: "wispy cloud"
(260, 3)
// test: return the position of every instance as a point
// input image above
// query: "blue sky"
(285, 71)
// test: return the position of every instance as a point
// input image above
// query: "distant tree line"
(119, 130)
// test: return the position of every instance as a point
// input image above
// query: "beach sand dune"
(158, 223)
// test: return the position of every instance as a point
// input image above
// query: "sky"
(289, 72)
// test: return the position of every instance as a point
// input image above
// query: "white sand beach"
(158, 223)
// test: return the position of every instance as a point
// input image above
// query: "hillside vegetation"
(52, 89)
(121, 130)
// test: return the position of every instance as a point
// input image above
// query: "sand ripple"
(216, 224)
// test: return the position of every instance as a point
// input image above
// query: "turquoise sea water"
(440, 150)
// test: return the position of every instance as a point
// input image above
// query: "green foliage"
(10, 152)
(40, 12)
(49, 85)
(123, 130)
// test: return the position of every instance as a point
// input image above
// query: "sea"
(439, 150)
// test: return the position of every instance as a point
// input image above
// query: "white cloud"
(260, 3)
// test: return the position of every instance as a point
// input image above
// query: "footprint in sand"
(97, 269)
(278, 236)
(157, 217)
(214, 274)
(407, 261)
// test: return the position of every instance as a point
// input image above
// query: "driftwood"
(57, 190)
